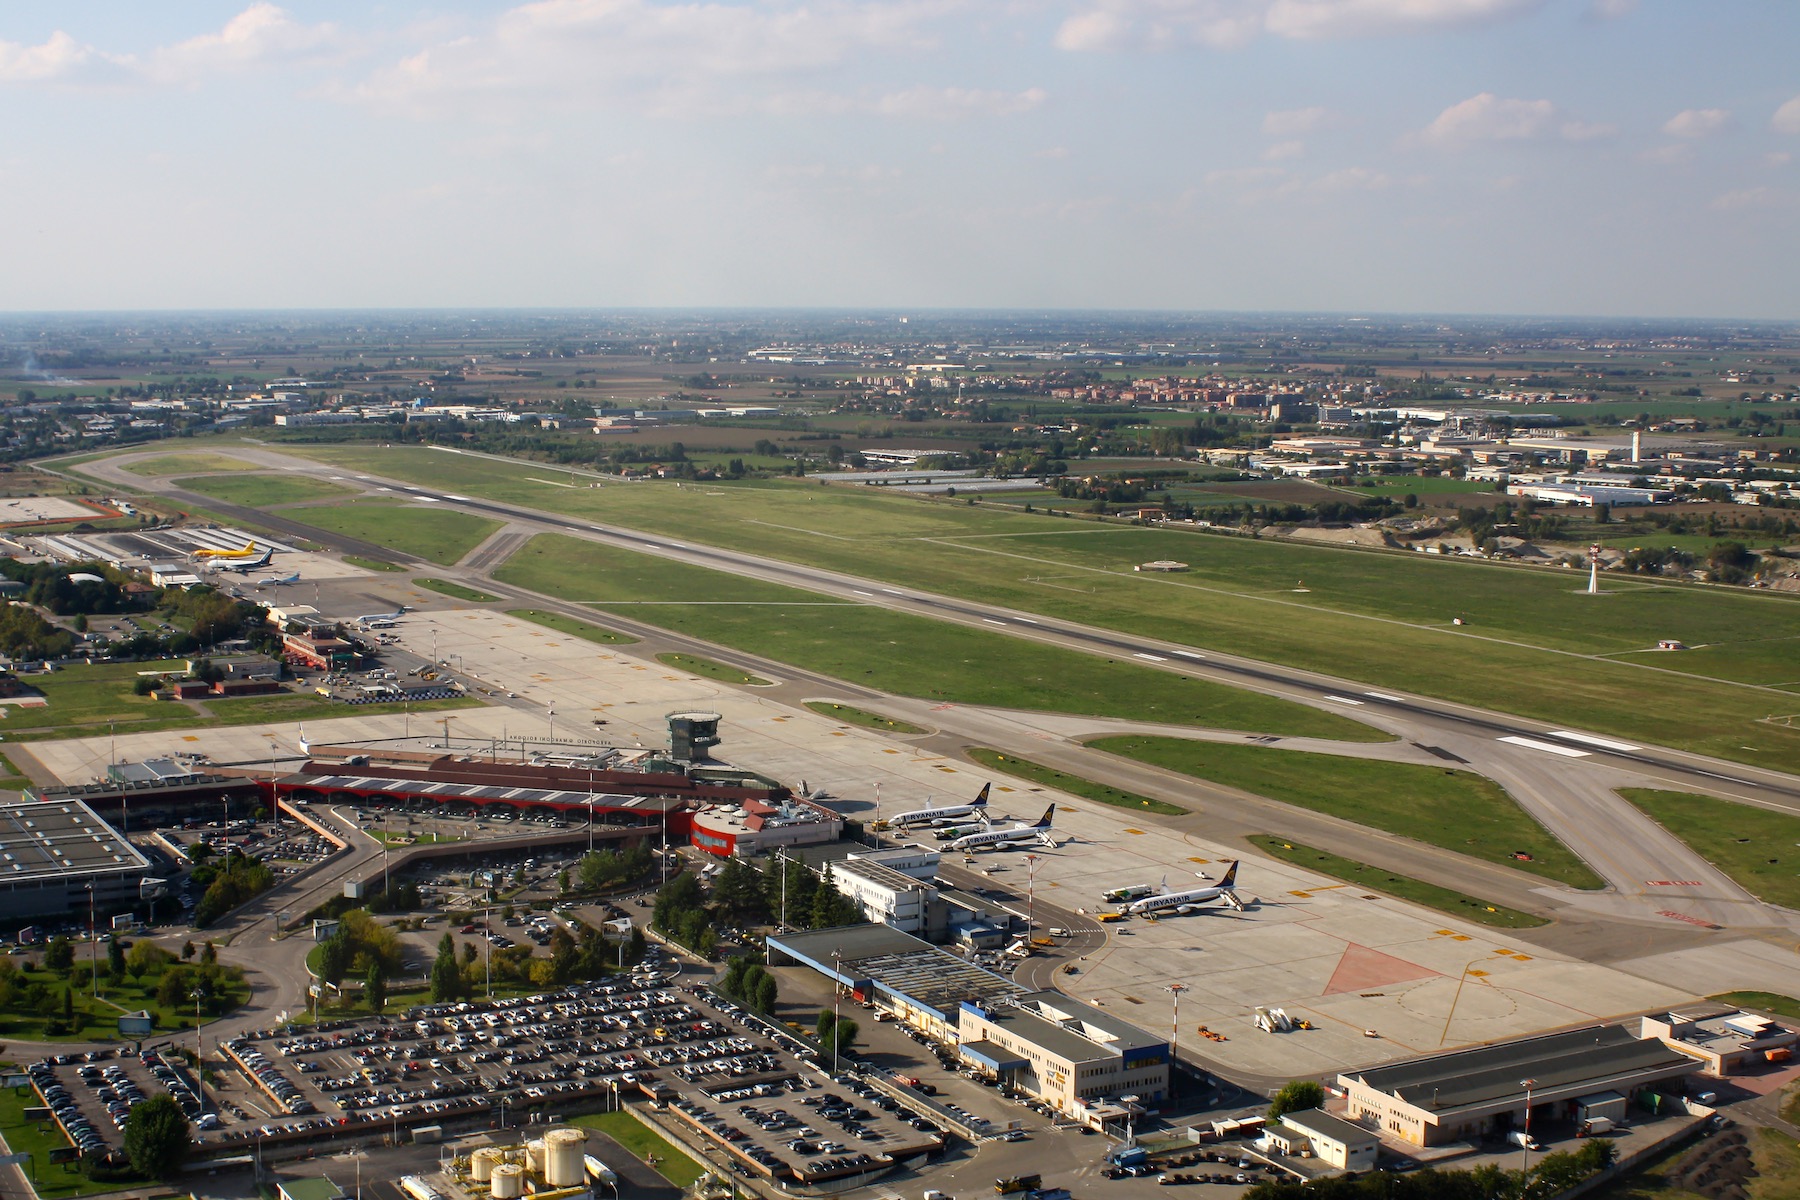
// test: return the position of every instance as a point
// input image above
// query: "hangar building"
(52, 852)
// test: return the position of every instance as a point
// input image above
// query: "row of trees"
(586, 954)
(785, 890)
(1550, 1176)
(749, 983)
(234, 880)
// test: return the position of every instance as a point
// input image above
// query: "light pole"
(1031, 868)
(199, 1049)
(487, 943)
(93, 940)
(551, 711)
(1175, 990)
(1525, 1146)
(837, 989)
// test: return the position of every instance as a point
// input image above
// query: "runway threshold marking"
(1546, 747)
(1189, 654)
(1344, 700)
(1591, 740)
(1383, 696)
(1149, 657)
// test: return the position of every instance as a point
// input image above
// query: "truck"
(1595, 1126)
(1136, 891)
(1523, 1140)
(1018, 1183)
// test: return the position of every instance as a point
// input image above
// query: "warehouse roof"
(43, 839)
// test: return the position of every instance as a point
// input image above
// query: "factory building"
(1473, 1095)
(53, 852)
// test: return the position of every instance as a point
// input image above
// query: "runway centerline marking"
(1343, 700)
(1591, 740)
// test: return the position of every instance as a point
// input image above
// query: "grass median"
(585, 630)
(706, 668)
(438, 535)
(1075, 785)
(894, 651)
(261, 491)
(1401, 887)
(645, 1143)
(1759, 849)
(851, 715)
(1457, 810)
(456, 590)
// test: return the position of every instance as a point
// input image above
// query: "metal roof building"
(1478, 1093)
(52, 852)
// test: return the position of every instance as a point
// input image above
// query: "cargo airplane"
(243, 566)
(249, 550)
(1002, 839)
(1182, 903)
(933, 816)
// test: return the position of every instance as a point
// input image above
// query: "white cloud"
(1696, 123)
(56, 58)
(952, 102)
(1281, 150)
(664, 57)
(1296, 121)
(1673, 155)
(1787, 117)
(1585, 131)
(1115, 24)
(1490, 118)
(1755, 197)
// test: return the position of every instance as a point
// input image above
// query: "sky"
(1540, 157)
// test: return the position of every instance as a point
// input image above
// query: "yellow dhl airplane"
(249, 551)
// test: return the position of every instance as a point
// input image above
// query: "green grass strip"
(1399, 886)
(438, 535)
(572, 625)
(1754, 846)
(1769, 1002)
(897, 652)
(706, 668)
(1457, 810)
(455, 589)
(1075, 785)
(643, 1141)
(371, 564)
(851, 715)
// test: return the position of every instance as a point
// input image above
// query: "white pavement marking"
(1027, 620)
(1384, 696)
(1591, 740)
(1189, 654)
(1345, 700)
(860, 592)
(991, 621)
(1149, 657)
(1546, 747)
(892, 592)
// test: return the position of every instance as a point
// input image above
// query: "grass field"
(1456, 810)
(1075, 785)
(1769, 1002)
(199, 463)
(896, 652)
(706, 668)
(372, 564)
(850, 715)
(1441, 488)
(262, 490)
(644, 1142)
(434, 534)
(581, 629)
(1400, 886)
(457, 590)
(1531, 643)
(1757, 848)
(86, 701)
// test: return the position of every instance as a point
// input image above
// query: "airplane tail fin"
(1044, 821)
(981, 797)
(1230, 879)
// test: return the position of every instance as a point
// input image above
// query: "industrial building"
(1332, 1140)
(1470, 1095)
(1072, 1056)
(1723, 1039)
(57, 856)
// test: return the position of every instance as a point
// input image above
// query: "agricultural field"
(1456, 810)
(434, 534)
(259, 491)
(896, 652)
(1531, 641)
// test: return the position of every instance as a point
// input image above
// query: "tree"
(1297, 1096)
(115, 959)
(446, 979)
(335, 957)
(157, 1137)
(59, 955)
(375, 986)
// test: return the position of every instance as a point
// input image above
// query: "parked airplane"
(1000, 839)
(242, 566)
(372, 618)
(279, 581)
(249, 551)
(1180, 903)
(929, 815)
